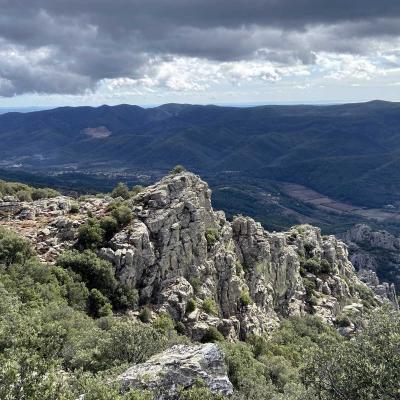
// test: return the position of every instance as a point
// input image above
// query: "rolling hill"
(349, 152)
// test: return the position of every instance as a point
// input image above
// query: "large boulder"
(180, 367)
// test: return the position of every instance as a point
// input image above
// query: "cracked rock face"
(241, 278)
(181, 366)
(372, 253)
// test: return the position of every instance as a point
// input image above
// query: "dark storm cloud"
(65, 46)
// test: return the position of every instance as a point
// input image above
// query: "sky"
(149, 52)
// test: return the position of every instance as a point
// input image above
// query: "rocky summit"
(188, 260)
(240, 277)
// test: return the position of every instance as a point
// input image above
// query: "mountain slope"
(350, 152)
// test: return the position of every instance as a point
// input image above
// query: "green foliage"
(99, 305)
(312, 266)
(122, 214)
(210, 307)
(212, 236)
(13, 249)
(196, 284)
(45, 193)
(24, 195)
(90, 234)
(100, 275)
(145, 315)
(109, 225)
(121, 190)
(212, 335)
(245, 298)
(366, 367)
(316, 267)
(164, 323)
(48, 344)
(326, 267)
(136, 190)
(74, 208)
(24, 192)
(198, 392)
(190, 306)
(95, 272)
(177, 169)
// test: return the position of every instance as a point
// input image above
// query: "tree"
(96, 272)
(366, 367)
(122, 214)
(109, 225)
(90, 234)
(178, 169)
(121, 190)
(13, 248)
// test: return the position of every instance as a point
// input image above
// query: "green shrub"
(121, 190)
(312, 266)
(190, 306)
(24, 195)
(145, 315)
(164, 323)
(212, 237)
(212, 335)
(239, 268)
(109, 225)
(326, 267)
(95, 272)
(210, 307)
(122, 214)
(180, 328)
(308, 248)
(99, 306)
(90, 235)
(45, 193)
(343, 321)
(365, 367)
(125, 298)
(13, 248)
(196, 284)
(177, 169)
(74, 208)
(245, 298)
(136, 190)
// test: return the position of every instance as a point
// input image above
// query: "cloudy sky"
(72, 52)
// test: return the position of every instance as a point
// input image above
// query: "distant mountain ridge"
(350, 152)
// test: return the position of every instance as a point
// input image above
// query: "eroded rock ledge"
(238, 277)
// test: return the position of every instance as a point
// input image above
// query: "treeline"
(23, 192)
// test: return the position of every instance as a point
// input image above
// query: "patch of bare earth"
(325, 203)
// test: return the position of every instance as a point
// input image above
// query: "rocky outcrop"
(383, 290)
(376, 256)
(188, 260)
(48, 223)
(238, 277)
(180, 367)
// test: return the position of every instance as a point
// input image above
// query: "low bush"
(245, 298)
(212, 335)
(212, 237)
(210, 307)
(190, 306)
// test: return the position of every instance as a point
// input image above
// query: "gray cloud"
(68, 46)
